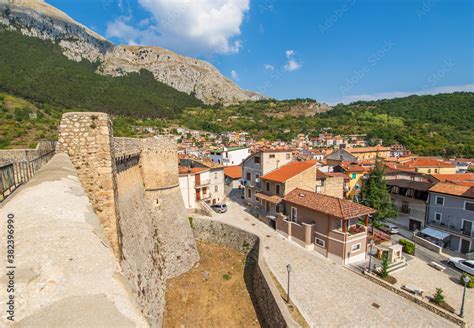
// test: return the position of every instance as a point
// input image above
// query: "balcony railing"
(450, 227)
(203, 183)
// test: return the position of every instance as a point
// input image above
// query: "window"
(469, 206)
(429, 170)
(410, 193)
(249, 176)
(353, 176)
(438, 216)
(439, 200)
(256, 160)
(288, 156)
(319, 242)
(216, 188)
(277, 208)
(268, 186)
(294, 214)
(355, 247)
(277, 189)
(272, 156)
(249, 193)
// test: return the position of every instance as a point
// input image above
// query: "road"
(326, 293)
(426, 255)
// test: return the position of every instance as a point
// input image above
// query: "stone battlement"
(134, 189)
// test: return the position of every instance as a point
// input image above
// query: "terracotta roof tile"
(191, 170)
(288, 171)
(453, 189)
(339, 208)
(234, 172)
(461, 177)
(428, 162)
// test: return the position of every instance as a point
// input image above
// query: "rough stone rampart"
(87, 139)
(66, 273)
(133, 186)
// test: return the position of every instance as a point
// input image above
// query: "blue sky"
(328, 50)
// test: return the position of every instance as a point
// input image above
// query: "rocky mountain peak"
(38, 19)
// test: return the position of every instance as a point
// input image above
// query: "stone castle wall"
(66, 273)
(87, 138)
(140, 206)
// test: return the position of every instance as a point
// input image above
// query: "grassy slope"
(37, 70)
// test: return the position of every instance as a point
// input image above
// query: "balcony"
(450, 228)
(202, 182)
(353, 232)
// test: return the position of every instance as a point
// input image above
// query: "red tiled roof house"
(334, 227)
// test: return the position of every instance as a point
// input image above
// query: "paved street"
(426, 255)
(328, 294)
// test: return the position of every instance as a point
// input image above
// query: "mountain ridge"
(192, 76)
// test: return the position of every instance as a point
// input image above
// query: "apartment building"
(257, 165)
(229, 156)
(450, 217)
(277, 183)
(334, 184)
(370, 152)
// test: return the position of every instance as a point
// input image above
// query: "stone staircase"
(397, 266)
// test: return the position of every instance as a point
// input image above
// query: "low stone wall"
(17, 155)
(433, 308)
(271, 309)
(66, 273)
(425, 243)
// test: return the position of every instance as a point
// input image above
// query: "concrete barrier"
(429, 245)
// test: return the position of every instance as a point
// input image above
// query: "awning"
(272, 199)
(440, 235)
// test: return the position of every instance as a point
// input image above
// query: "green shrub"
(408, 246)
(191, 222)
(438, 297)
(470, 284)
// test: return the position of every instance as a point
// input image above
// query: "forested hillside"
(38, 71)
(39, 84)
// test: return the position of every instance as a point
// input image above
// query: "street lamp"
(370, 253)
(466, 280)
(288, 268)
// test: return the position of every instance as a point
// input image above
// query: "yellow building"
(370, 152)
(431, 165)
(356, 174)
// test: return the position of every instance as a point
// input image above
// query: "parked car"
(462, 264)
(389, 228)
(219, 208)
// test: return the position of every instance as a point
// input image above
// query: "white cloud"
(399, 94)
(269, 67)
(234, 75)
(120, 29)
(292, 64)
(192, 27)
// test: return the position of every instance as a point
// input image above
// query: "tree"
(376, 195)
(384, 271)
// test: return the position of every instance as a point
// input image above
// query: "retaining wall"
(271, 309)
(17, 155)
(429, 245)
